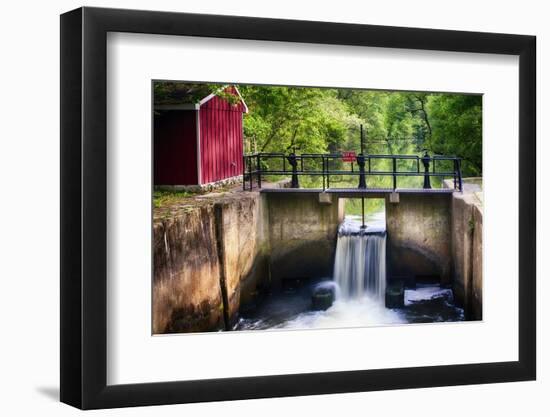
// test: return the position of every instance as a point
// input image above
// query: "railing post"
(259, 170)
(361, 162)
(455, 164)
(292, 160)
(426, 162)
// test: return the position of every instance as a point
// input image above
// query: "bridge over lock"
(305, 213)
(355, 171)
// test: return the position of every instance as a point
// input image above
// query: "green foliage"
(168, 92)
(284, 118)
(457, 129)
(319, 120)
(329, 120)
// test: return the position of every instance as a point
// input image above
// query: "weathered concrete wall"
(186, 286)
(419, 236)
(207, 256)
(216, 253)
(244, 245)
(475, 311)
(302, 235)
(467, 243)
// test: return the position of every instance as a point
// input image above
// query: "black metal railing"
(256, 167)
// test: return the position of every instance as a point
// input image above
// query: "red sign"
(348, 156)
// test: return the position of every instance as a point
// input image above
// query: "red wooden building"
(199, 142)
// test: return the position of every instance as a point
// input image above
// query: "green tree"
(285, 118)
(456, 123)
(320, 120)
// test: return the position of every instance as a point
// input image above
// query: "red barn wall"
(221, 139)
(175, 148)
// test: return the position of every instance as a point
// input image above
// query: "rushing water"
(359, 282)
(360, 261)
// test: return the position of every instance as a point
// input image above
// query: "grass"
(164, 198)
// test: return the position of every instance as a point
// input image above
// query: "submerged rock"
(395, 295)
(322, 298)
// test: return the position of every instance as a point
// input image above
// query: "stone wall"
(207, 256)
(243, 243)
(302, 230)
(419, 237)
(186, 283)
(217, 253)
(467, 244)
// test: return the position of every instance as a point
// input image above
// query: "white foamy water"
(360, 312)
(359, 279)
(428, 292)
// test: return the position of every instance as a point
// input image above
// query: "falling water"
(360, 261)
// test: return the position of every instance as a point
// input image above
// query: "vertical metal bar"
(244, 172)
(459, 177)
(394, 173)
(259, 170)
(328, 174)
(323, 170)
(250, 172)
(361, 164)
(362, 212)
(369, 165)
(426, 162)
(455, 166)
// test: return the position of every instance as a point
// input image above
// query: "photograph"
(282, 207)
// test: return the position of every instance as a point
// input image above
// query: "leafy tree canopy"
(316, 120)
(168, 92)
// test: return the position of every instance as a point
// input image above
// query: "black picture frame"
(84, 207)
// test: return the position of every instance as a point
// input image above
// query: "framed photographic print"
(256, 207)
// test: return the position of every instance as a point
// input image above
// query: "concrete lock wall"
(302, 234)
(243, 251)
(208, 259)
(220, 253)
(438, 236)
(419, 237)
(467, 244)
(186, 288)
(217, 255)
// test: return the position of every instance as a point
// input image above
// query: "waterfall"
(360, 262)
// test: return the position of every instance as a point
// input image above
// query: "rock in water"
(322, 298)
(395, 295)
